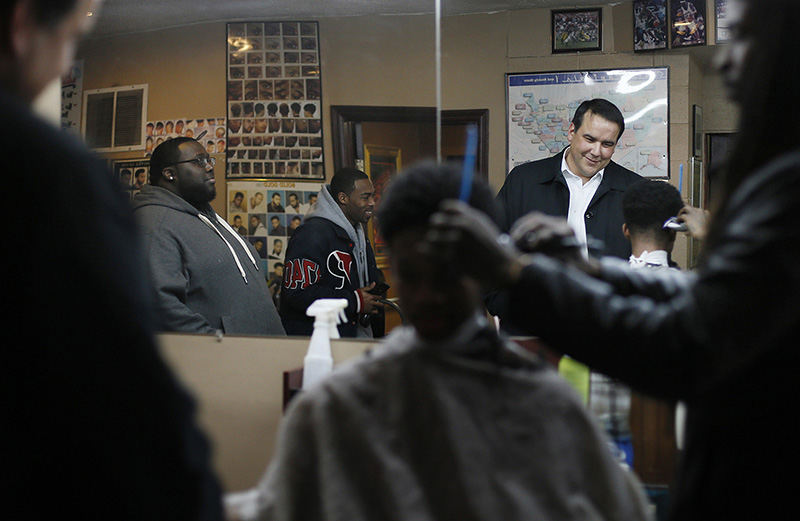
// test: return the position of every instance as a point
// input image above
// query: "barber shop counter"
(240, 385)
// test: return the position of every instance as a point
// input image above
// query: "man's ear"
(342, 197)
(168, 174)
(626, 231)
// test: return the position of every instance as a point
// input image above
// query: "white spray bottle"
(327, 313)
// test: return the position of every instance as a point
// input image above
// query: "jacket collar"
(611, 181)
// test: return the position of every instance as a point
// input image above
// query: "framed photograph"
(380, 164)
(649, 25)
(721, 12)
(540, 107)
(688, 22)
(576, 30)
(697, 131)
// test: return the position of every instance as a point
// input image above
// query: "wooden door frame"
(345, 118)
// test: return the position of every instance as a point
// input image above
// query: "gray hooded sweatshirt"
(205, 276)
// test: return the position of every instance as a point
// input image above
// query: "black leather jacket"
(723, 339)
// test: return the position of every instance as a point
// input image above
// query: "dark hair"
(600, 107)
(416, 193)
(344, 180)
(647, 204)
(238, 194)
(164, 155)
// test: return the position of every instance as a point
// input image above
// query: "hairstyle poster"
(210, 132)
(274, 101)
(132, 175)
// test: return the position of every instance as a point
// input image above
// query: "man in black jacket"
(581, 183)
(95, 423)
(329, 256)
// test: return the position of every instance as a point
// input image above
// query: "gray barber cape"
(476, 430)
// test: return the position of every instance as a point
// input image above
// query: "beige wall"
(389, 60)
(237, 383)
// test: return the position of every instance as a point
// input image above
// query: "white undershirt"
(580, 195)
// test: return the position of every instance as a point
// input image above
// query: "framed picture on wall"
(688, 22)
(576, 30)
(721, 12)
(649, 25)
(380, 164)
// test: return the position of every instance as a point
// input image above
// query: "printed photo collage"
(266, 214)
(274, 101)
(210, 132)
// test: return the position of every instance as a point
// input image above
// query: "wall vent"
(114, 118)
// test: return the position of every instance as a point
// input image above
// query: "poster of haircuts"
(132, 175)
(274, 101)
(210, 132)
(541, 107)
(266, 213)
(71, 96)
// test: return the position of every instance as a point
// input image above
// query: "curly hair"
(416, 193)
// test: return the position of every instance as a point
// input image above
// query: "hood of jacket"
(157, 196)
(327, 208)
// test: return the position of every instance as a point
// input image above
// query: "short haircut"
(416, 193)
(600, 107)
(344, 180)
(164, 155)
(647, 204)
(238, 194)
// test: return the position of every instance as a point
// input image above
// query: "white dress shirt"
(580, 195)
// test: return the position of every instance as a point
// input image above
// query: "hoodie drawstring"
(235, 257)
(238, 238)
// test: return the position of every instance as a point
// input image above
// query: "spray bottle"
(327, 313)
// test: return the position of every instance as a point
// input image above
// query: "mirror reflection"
(289, 95)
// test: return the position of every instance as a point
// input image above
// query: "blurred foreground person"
(96, 426)
(722, 339)
(445, 419)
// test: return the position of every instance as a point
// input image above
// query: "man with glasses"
(206, 277)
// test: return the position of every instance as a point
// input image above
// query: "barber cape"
(476, 430)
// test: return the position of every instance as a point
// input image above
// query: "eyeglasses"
(201, 161)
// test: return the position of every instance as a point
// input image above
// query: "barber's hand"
(539, 233)
(467, 240)
(696, 220)
(553, 236)
(370, 304)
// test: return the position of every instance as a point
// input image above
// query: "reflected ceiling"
(134, 16)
